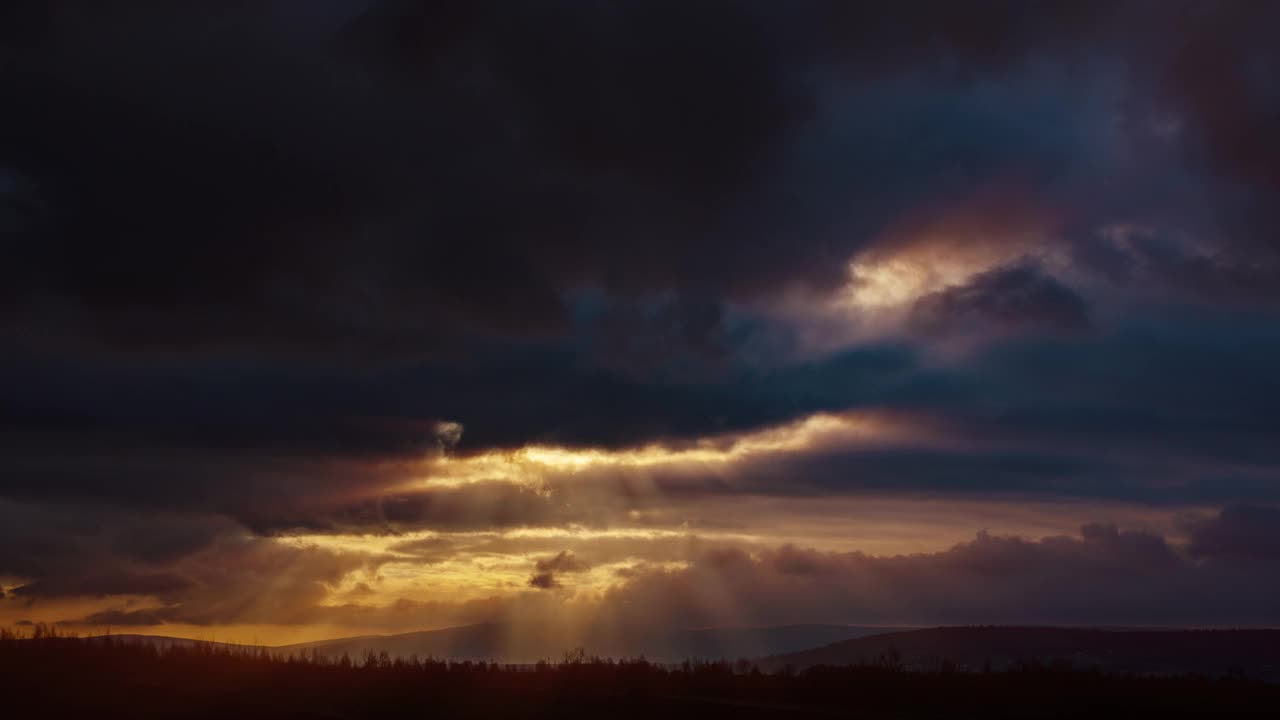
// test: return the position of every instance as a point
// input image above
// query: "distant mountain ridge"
(1255, 653)
(498, 641)
(504, 643)
(166, 640)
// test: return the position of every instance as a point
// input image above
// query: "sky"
(363, 316)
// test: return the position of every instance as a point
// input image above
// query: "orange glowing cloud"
(532, 464)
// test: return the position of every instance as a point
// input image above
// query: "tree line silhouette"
(49, 674)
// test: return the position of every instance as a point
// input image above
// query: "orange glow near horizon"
(421, 579)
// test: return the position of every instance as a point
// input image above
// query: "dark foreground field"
(62, 677)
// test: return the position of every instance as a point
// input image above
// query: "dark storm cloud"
(210, 182)
(911, 469)
(1222, 75)
(253, 439)
(1056, 417)
(1204, 215)
(76, 549)
(1163, 259)
(307, 237)
(1019, 299)
(222, 574)
(426, 171)
(434, 171)
(1199, 387)
(1238, 533)
(251, 202)
(100, 585)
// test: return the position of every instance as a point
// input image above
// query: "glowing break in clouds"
(532, 464)
(919, 258)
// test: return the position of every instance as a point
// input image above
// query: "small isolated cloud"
(448, 434)
(543, 581)
(548, 568)
(564, 562)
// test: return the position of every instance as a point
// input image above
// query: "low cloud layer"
(1104, 575)
(1215, 573)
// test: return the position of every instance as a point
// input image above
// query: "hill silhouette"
(1211, 652)
(502, 642)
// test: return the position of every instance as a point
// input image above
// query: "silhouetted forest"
(46, 675)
